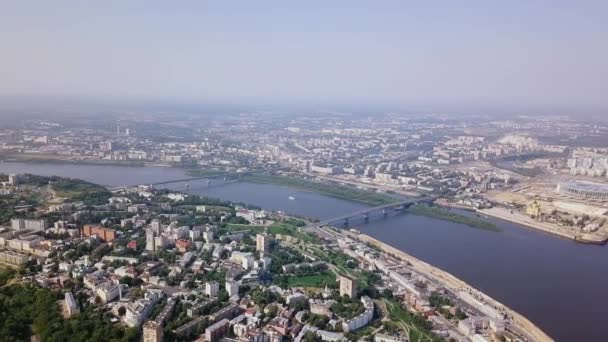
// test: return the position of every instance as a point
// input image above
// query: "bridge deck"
(369, 210)
(212, 176)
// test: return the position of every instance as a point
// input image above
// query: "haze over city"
(517, 57)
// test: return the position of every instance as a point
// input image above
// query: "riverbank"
(443, 214)
(512, 216)
(331, 190)
(60, 159)
(444, 202)
(354, 181)
(457, 285)
(202, 173)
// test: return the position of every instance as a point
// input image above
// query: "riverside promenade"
(519, 322)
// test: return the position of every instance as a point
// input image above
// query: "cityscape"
(277, 172)
(172, 265)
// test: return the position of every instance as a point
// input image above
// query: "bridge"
(383, 210)
(224, 175)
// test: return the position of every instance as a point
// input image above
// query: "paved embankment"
(456, 285)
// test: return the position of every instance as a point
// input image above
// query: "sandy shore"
(456, 284)
(518, 218)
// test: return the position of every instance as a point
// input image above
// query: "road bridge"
(224, 175)
(365, 214)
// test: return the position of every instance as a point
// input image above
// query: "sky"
(525, 55)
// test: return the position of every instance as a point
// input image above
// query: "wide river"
(560, 285)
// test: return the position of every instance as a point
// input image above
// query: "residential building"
(212, 288)
(104, 234)
(348, 287)
(361, 320)
(216, 331)
(263, 243)
(152, 332)
(34, 225)
(232, 287)
(150, 246)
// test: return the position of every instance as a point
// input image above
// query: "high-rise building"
(348, 287)
(232, 287)
(152, 332)
(263, 242)
(155, 225)
(212, 288)
(208, 236)
(160, 243)
(13, 179)
(150, 246)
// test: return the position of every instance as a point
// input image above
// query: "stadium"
(584, 190)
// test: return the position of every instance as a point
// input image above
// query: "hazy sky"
(537, 54)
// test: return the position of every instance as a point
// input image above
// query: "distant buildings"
(155, 226)
(208, 236)
(348, 287)
(232, 287)
(182, 245)
(13, 258)
(212, 288)
(160, 242)
(150, 246)
(250, 215)
(25, 243)
(104, 234)
(588, 162)
(13, 179)
(326, 170)
(263, 243)
(35, 225)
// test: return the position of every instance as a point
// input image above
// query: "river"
(560, 285)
